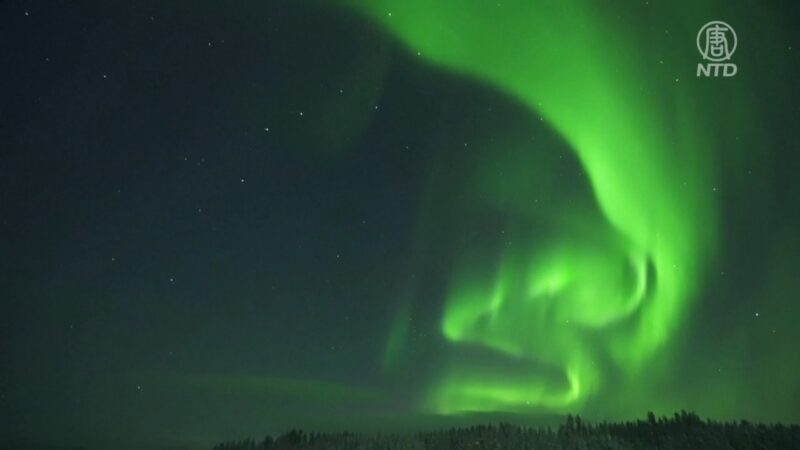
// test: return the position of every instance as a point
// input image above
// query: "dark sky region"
(226, 219)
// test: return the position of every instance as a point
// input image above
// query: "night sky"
(221, 220)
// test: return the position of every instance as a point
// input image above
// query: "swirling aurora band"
(617, 293)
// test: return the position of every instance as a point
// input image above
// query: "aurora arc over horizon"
(379, 217)
(613, 292)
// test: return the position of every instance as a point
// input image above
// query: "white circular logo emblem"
(716, 41)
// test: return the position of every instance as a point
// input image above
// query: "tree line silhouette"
(683, 431)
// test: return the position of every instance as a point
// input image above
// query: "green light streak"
(398, 335)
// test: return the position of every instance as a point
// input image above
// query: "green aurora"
(394, 215)
(604, 290)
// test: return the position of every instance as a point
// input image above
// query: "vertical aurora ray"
(615, 292)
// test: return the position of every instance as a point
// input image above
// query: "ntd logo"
(716, 42)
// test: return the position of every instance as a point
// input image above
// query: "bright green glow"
(466, 393)
(583, 295)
